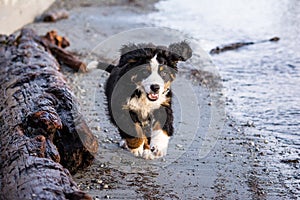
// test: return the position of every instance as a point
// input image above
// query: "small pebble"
(104, 75)
(107, 197)
(107, 141)
(92, 65)
(265, 170)
(250, 123)
(266, 141)
(99, 181)
(105, 186)
(252, 143)
(98, 128)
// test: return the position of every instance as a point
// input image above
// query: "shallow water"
(262, 80)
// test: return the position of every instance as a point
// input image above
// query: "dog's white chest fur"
(142, 106)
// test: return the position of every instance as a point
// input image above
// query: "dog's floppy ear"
(180, 51)
(136, 52)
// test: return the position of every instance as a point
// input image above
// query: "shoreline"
(232, 170)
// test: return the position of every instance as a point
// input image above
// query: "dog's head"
(154, 67)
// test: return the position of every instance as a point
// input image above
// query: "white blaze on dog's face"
(154, 85)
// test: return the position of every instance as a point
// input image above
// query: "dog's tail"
(105, 66)
(100, 65)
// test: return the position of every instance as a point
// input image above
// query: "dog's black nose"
(154, 87)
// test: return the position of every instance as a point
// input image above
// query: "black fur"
(132, 57)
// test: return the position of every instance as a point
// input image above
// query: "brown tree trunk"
(41, 129)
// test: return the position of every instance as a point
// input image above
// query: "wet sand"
(233, 169)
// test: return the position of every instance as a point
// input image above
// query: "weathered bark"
(57, 40)
(55, 44)
(41, 129)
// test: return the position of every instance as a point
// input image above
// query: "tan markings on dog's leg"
(166, 133)
(138, 151)
(133, 143)
(137, 141)
(136, 145)
(146, 144)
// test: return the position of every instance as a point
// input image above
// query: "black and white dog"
(139, 96)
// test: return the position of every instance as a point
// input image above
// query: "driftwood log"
(53, 16)
(42, 133)
(237, 45)
(55, 45)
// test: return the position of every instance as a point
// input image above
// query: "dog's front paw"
(159, 143)
(159, 151)
(148, 155)
(138, 152)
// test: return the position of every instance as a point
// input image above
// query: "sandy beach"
(228, 163)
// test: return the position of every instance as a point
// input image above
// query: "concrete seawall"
(16, 13)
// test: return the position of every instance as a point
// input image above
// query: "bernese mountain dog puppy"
(139, 96)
